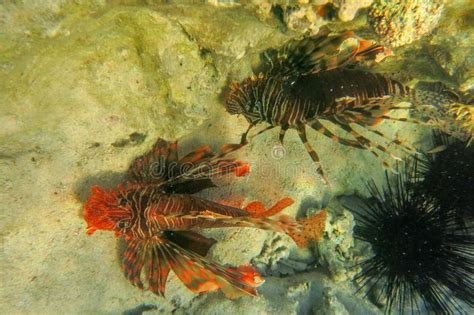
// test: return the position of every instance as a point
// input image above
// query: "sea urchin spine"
(422, 259)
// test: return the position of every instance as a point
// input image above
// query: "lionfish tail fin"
(157, 256)
(304, 231)
(444, 110)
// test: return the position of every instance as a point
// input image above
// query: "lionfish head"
(242, 98)
(106, 210)
(233, 99)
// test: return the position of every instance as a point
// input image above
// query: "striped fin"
(227, 210)
(365, 51)
(154, 166)
(221, 215)
(301, 231)
(190, 240)
(257, 210)
(203, 165)
(304, 56)
(158, 256)
(190, 174)
(322, 52)
(136, 255)
(312, 153)
(200, 154)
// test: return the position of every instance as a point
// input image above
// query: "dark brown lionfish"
(314, 81)
(158, 218)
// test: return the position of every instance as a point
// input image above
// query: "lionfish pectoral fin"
(319, 127)
(281, 136)
(365, 142)
(369, 114)
(191, 241)
(197, 169)
(312, 153)
(195, 156)
(144, 254)
(153, 166)
(201, 276)
(257, 210)
(300, 57)
(219, 209)
(173, 151)
(191, 187)
(325, 52)
(218, 165)
(243, 138)
(437, 149)
(270, 127)
(153, 258)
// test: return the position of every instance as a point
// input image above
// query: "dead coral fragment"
(403, 21)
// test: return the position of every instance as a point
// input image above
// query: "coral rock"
(401, 22)
(348, 8)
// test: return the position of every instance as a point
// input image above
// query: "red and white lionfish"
(315, 81)
(157, 217)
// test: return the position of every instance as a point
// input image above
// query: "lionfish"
(316, 81)
(158, 217)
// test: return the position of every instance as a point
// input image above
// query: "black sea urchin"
(423, 260)
(448, 176)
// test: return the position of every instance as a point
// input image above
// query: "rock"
(453, 49)
(299, 294)
(403, 21)
(310, 16)
(335, 250)
(349, 8)
(331, 305)
(279, 257)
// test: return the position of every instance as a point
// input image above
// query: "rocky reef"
(309, 16)
(86, 86)
(402, 22)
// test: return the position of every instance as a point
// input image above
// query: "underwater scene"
(237, 157)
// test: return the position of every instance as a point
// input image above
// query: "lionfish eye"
(121, 225)
(123, 202)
